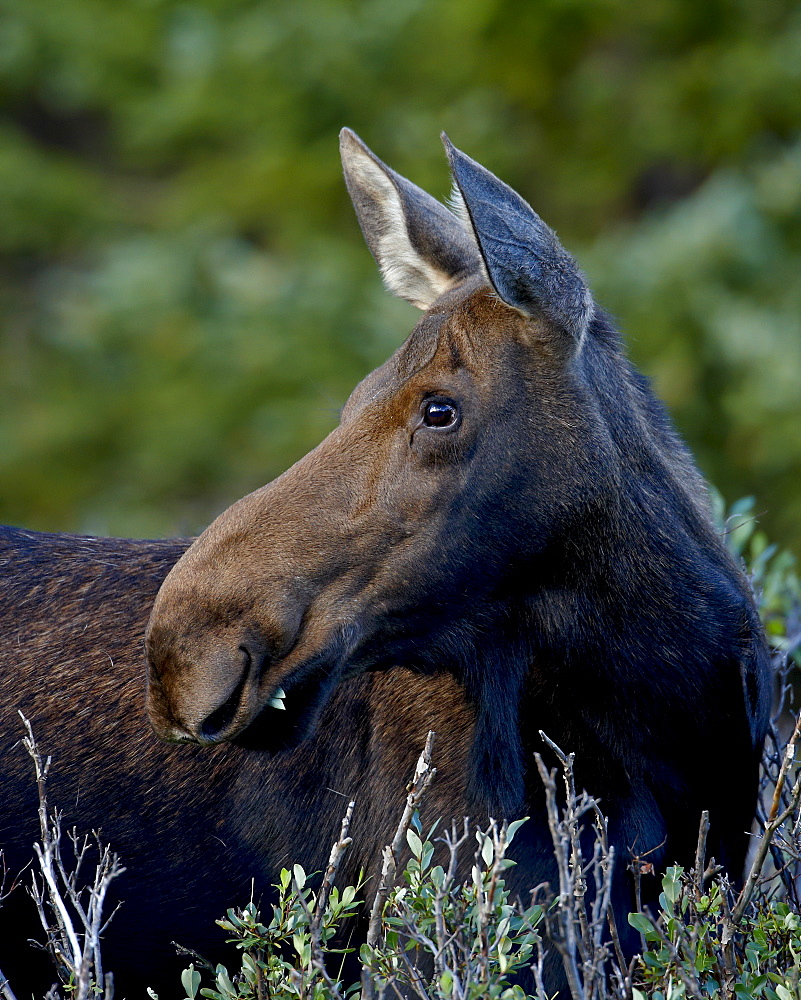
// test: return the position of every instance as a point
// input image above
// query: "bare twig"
(453, 841)
(59, 896)
(700, 854)
(565, 941)
(423, 776)
(414, 975)
(317, 953)
(5, 988)
(315, 919)
(775, 821)
(581, 926)
(337, 853)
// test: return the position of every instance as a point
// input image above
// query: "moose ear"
(529, 268)
(421, 248)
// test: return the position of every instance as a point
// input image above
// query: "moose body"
(197, 829)
(503, 535)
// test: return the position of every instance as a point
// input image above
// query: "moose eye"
(438, 413)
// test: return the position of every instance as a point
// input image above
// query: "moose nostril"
(215, 725)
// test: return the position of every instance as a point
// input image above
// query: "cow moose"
(503, 535)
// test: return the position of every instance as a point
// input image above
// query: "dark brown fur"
(193, 826)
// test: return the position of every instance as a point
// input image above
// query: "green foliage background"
(187, 300)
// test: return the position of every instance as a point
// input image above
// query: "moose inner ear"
(421, 248)
(529, 268)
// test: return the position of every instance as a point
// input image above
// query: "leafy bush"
(477, 936)
(689, 952)
(773, 576)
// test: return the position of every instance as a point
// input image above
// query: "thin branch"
(566, 944)
(700, 854)
(5, 988)
(337, 853)
(77, 956)
(423, 776)
(315, 919)
(317, 953)
(775, 820)
(414, 975)
(759, 858)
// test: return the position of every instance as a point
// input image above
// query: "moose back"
(503, 535)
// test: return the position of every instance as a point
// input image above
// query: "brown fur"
(193, 826)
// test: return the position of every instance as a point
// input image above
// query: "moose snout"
(227, 634)
(201, 696)
(205, 687)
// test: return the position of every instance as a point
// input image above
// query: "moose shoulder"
(503, 535)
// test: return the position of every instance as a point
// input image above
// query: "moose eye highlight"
(439, 413)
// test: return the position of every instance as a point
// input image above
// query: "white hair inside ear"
(405, 272)
(458, 206)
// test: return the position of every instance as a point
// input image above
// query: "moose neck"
(592, 629)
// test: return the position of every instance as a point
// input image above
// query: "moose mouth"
(285, 720)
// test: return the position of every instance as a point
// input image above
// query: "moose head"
(504, 491)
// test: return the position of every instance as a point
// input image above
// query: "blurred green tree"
(186, 298)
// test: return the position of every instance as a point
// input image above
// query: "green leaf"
(250, 969)
(300, 876)
(641, 923)
(512, 829)
(671, 886)
(302, 947)
(414, 843)
(437, 876)
(224, 983)
(190, 980)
